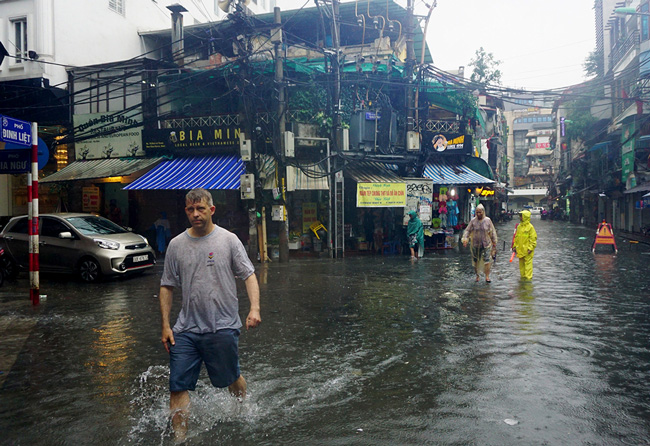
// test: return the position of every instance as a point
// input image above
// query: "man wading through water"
(203, 262)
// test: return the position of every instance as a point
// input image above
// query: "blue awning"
(208, 172)
(600, 145)
(442, 173)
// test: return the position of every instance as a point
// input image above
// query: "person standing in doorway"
(482, 236)
(524, 244)
(114, 212)
(203, 262)
(415, 234)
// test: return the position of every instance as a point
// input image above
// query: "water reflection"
(369, 351)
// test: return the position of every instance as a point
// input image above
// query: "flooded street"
(365, 351)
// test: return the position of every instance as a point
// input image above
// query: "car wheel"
(89, 270)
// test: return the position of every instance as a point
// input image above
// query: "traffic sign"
(16, 131)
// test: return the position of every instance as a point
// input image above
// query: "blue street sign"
(16, 131)
(8, 155)
(15, 161)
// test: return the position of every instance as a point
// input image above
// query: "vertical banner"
(627, 156)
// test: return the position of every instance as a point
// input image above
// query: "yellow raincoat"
(524, 245)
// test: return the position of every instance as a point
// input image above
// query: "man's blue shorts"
(219, 351)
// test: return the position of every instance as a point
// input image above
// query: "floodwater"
(364, 351)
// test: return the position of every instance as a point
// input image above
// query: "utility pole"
(334, 202)
(410, 62)
(282, 127)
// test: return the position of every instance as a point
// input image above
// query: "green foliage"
(485, 68)
(593, 64)
(464, 101)
(580, 120)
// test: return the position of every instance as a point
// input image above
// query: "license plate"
(137, 259)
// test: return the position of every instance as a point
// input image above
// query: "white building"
(43, 37)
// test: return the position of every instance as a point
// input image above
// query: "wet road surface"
(364, 351)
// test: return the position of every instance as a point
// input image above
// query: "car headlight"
(144, 239)
(107, 244)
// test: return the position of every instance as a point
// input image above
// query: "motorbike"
(8, 270)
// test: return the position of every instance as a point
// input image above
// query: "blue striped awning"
(442, 173)
(208, 172)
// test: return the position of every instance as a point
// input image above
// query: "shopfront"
(374, 207)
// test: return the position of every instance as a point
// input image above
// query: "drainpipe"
(177, 33)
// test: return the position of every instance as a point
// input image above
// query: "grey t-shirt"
(204, 268)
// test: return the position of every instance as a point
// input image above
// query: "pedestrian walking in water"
(524, 244)
(163, 232)
(203, 263)
(415, 234)
(482, 238)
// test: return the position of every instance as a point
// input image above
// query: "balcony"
(622, 47)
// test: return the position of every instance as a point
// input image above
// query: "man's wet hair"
(198, 195)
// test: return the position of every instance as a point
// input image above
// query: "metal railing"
(623, 46)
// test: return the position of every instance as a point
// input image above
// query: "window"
(52, 227)
(116, 5)
(20, 39)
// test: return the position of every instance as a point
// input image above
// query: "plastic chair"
(315, 226)
(393, 247)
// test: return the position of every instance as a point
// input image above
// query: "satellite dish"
(224, 5)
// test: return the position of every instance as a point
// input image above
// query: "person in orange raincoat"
(524, 244)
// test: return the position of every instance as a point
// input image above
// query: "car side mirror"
(66, 235)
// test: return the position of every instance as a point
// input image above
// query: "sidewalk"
(634, 236)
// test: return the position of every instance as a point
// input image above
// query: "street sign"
(15, 161)
(43, 151)
(16, 131)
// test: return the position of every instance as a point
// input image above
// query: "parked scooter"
(8, 270)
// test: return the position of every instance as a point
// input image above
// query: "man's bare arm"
(253, 291)
(165, 296)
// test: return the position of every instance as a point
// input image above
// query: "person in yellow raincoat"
(524, 244)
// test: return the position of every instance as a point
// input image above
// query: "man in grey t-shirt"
(203, 262)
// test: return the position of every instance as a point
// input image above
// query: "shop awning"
(599, 146)
(645, 187)
(101, 168)
(208, 172)
(371, 172)
(443, 173)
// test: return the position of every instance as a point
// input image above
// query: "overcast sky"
(542, 44)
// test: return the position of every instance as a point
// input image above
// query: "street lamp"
(630, 11)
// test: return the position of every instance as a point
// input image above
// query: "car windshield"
(92, 225)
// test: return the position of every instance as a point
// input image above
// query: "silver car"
(83, 244)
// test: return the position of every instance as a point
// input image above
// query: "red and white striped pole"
(32, 192)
